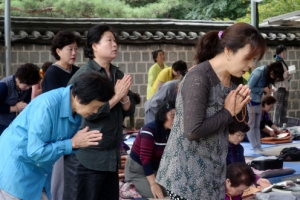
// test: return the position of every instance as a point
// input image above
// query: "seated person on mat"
(267, 105)
(239, 177)
(146, 152)
(236, 150)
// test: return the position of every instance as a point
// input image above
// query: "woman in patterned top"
(193, 165)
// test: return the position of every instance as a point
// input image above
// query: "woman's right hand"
(85, 138)
(21, 105)
(122, 86)
(156, 191)
(237, 99)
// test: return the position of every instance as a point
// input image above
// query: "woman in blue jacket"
(259, 83)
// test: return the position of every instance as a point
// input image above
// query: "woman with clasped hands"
(44, 131)
(193, 164)
(93, 172)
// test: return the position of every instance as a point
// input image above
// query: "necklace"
(244, 112)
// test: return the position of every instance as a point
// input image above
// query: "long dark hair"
(234, 38)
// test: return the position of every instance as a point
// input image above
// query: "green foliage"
(218, 9)
(178, 9)
(271, 8)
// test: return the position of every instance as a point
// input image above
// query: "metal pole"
(253, 14)
(7, 37)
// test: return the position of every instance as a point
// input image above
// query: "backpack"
(290, 154)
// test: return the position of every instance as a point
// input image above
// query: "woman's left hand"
(156, 191)
(237, 99)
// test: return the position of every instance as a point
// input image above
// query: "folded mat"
(272, 140)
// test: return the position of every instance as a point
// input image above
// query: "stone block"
(134, 88)
(291, 55)
(295, 105)
(268, 56)
(28, 47)
(141, 112)
(133, 47)
(294, 85)
(79, 57)
(169, 47)
(190, 56)
(41, 47)
(141, 68)
(296, 76)
(153, 47)
(52, 59)
(126, 57)
(182, 56)
(291, 113)
(122, 67)
(172, 57)
(45, 57)
(139, 79)
(2, 56)
(23, 57)
(135, 56)
(143, 90)
(178, 47)
(122, 47)
(131, 68)
(139, 123)
(149, 65)
(34, 57)
(189, 48)
(142, 47)
(292, 94)
(17, 47)
(145, 56)
(119, 58)
(14, 57)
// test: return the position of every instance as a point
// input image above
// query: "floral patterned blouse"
(193, 165)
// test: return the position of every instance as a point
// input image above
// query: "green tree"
(91, 8)
(217, 9)
(271, 8)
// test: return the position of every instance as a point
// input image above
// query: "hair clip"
(220, 34)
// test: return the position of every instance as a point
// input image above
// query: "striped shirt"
(149, 146)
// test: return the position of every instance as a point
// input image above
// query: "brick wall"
(136, 61)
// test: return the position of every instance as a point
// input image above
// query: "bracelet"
(126, 101)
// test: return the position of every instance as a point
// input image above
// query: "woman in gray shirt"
(193, 165)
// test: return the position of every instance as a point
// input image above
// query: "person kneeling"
(146, 153)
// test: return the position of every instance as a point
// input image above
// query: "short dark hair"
(28, 74)
(242, 127)
(280, 49)
(240, 173)
(94, 35)
(234, 38)
(155, 54)
(268, 100)
(161, 115)
(136, 97)
(180, 66)
(91, 86)
(277, 69)
(62, 39)
(46, 65)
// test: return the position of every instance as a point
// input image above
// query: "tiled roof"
(42, 30)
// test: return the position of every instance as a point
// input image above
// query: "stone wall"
(136, 61)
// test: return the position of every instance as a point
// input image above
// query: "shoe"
(261, 149)
(257, 151)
